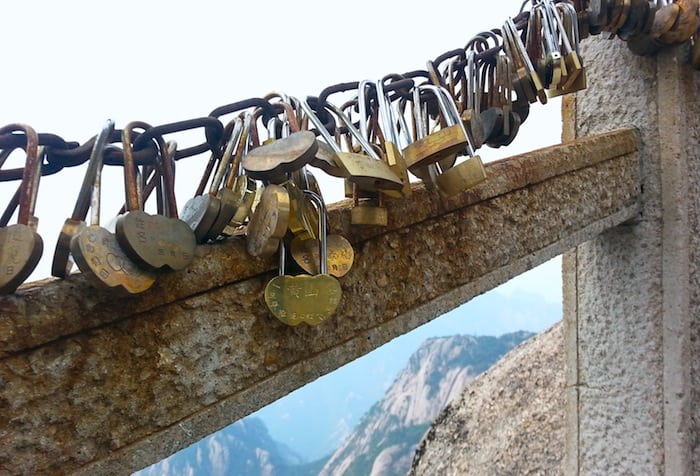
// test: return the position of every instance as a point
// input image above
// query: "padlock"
(546, 55)
(366, 169)
(20, 244)
(470, 114)
(465, 174)
(567, 26)
(528, 78)
(393, 156)
(368, 208)
(312, 299)
(429, 148)
(154, 242)
(62, 264)
(237, 192)
(511, 119)
(200, 212)
(96, 251)
(305, 248)
(269, 221)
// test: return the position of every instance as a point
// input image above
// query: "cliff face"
(509, 420)
(384, 441)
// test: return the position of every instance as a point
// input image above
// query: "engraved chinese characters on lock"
(99, 257)
(305, 298)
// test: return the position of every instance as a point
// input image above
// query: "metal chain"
(593, 18)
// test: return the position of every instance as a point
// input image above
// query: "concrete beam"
(100, 384)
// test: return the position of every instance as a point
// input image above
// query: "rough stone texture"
(100, 384)
(509, 420)
(630, 293)
(693, 169)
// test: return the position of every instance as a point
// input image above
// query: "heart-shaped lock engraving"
(21, 251)
(98, 255)
(303, 298)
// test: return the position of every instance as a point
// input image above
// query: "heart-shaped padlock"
(305, 298)
(153, 241)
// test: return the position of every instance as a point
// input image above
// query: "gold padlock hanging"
(311, 299)
(465, 174)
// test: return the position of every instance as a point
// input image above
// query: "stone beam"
(95, 383)
(632, 294)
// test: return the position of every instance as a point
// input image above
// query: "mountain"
(384, 441)
(244, 449)
(331, 406)
(509, 420)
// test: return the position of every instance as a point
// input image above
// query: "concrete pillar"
(631, 296)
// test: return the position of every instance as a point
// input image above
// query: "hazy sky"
(73, 64)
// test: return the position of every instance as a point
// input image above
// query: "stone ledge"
(46, 310)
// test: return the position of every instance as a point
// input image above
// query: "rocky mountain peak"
(509, 420)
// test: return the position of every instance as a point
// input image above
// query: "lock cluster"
(380, 136)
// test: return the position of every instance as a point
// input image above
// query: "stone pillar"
(631, 296)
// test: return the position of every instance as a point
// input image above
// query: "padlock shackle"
(32, 166)
(320, 127)
(134, 199)
(95, 163)
(242, 145)
(354, 132)
(322, 230)
(386, 116)
(232, 144)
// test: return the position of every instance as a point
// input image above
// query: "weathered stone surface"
(631, 293)
(46, 310)
(107, 385)
(509, 420)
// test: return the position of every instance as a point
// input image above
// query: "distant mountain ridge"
(242, 449)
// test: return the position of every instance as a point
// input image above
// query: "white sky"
(70, 65)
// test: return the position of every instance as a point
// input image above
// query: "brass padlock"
(311, 299)
(62, 264)
(465, 174)
(429, 148)
(153, 241)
